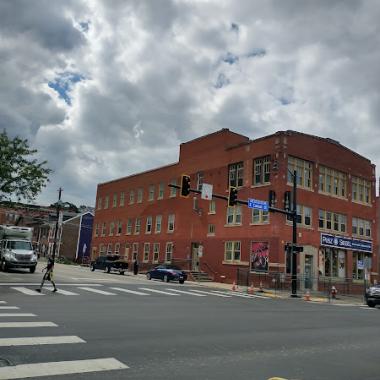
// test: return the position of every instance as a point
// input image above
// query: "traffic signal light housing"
(287, 200)
(185, 185)
(232, 196)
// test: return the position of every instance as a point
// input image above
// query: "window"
(304, 172)
(212, 207)
(109, 249)
(99, 203)
(361, 227)
(119, 227)
(261, 171)
(137, 226)
(358, 264)
(169, 252)
(304, 216)
(140, 192)
(102, 249)
(112, 228)
(106, 201)
(114, 201)
(126, 251)
(173, 190)
(334, 262)
(151, 193)
(211, 229)
(122, 195)
(129, 227)
(135, 250)
(234, 215)
(171, 219)
(235, 174)
(158, 224)
(160, 191)
(332, 182)
(361, 190)
(148, 225)
(117, 248)
(199, 181)
(232, 251)
(131, 197)
(96, 229)
(259, 216)
(146, 252)
(156, 252)
(104, 227)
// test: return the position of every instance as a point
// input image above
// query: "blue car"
(167, 272)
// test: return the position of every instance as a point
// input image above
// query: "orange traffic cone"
(307, 295)
(250, 289)
(234, 286)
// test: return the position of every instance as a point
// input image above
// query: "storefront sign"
(259, 256)
(346, 243)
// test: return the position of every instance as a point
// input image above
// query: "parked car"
(110, 263)
(372, 295)
(167, 272)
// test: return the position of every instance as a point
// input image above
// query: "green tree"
(21, 176)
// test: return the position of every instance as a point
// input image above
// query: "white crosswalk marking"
(185, 292)
(212, 294)
(27, 291)
(17, 315)
(64, 292)
(242, 295)
(23, 371)
(2, 302)
(131, 291)
(159, 291)
(26, 324)
(9, 307)
(39, 340)
(97, 291)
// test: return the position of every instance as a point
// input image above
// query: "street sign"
(206, 191)
(260, 205)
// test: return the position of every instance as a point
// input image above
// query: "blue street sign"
(260, 205)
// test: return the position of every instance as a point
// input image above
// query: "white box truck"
(16, 250)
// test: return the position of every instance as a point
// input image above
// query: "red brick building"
(140, 216)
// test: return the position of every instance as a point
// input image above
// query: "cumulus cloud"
(99, 86)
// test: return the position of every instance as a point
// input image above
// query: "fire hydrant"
(333, 292)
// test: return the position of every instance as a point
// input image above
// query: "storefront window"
(358, 259)
(335, 261)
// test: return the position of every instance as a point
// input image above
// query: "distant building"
(139, 216)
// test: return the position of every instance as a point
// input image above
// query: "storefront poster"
(259, 256)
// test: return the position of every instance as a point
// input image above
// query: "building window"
(169, 252)
(158, 224)
(234, 215)
(140, 192)
(137, 226)
(211, 229)
(261, 171)
(135, 250)
(122, 195)
(361, 227)
(199, 181)
(146, 252)
(117, 248)
(119, 227)
(332, 182)
(131, 197)
(171, 219)
(126, 251)
(151, 193)
(156, 252)
(148, 225)
(99, 203)
(112, 228)
(212, 207)
(129, 227)
(173, 190)
(102, 249)
(304, 172)
(104, 227)
(236, 174)
(361, 190)
(160, 191)
(304, 216)
(358, 264)
(109, 249)
(259, 216)
(334, 262)
(106, 201)
(96, 229)
(114, 201)
(332, 221)
(232, 251)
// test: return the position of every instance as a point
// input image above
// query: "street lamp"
(294, 239)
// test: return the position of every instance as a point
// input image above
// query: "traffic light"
(185, 186)
(272, 198)
(287, 200)
(232, 196)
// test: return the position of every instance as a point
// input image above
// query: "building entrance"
(308, 271)
(195, 267)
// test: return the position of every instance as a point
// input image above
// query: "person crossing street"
(48, 275)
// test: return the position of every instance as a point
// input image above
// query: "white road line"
(243, 295)
(23, 371)
(9, 307)
(29, 292)
(97, 291)
(26, 324)
(211, 294)
(367, 308)
(64, 292)
(38, 284)
(131, 291)
(39, 340)
(17, 315)
(159, 291)
(185, 292)
(2, 302)
(95, 279)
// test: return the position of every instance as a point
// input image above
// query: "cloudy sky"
(104, 89)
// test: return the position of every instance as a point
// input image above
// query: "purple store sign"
(346, 243)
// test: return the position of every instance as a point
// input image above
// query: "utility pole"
(57, 223)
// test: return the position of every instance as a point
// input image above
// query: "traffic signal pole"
(294, 240)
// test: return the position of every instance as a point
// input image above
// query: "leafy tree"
(20, 175)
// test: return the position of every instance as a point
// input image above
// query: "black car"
(110, 263)
(167, 272)
(372, 295)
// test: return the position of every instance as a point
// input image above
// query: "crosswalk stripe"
(64, 292)
(2, 302)
(97, 291)
(17, 315)
(38, 284)
(159, 291)
(243, 295)
(27, 291)
(39, 340)
(9, 307)
(212, 294)
(23, 371)
(26, 324)
(131, 291)
(185, 292)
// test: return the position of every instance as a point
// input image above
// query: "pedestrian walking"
(48, 275)
(135, 267)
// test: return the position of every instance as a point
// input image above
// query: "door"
(308, 271)
(195, 257)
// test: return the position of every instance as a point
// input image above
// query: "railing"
(211, 272)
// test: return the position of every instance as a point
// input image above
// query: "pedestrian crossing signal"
(232, 196)
(185, 186)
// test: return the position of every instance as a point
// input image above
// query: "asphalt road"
(177, 335)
